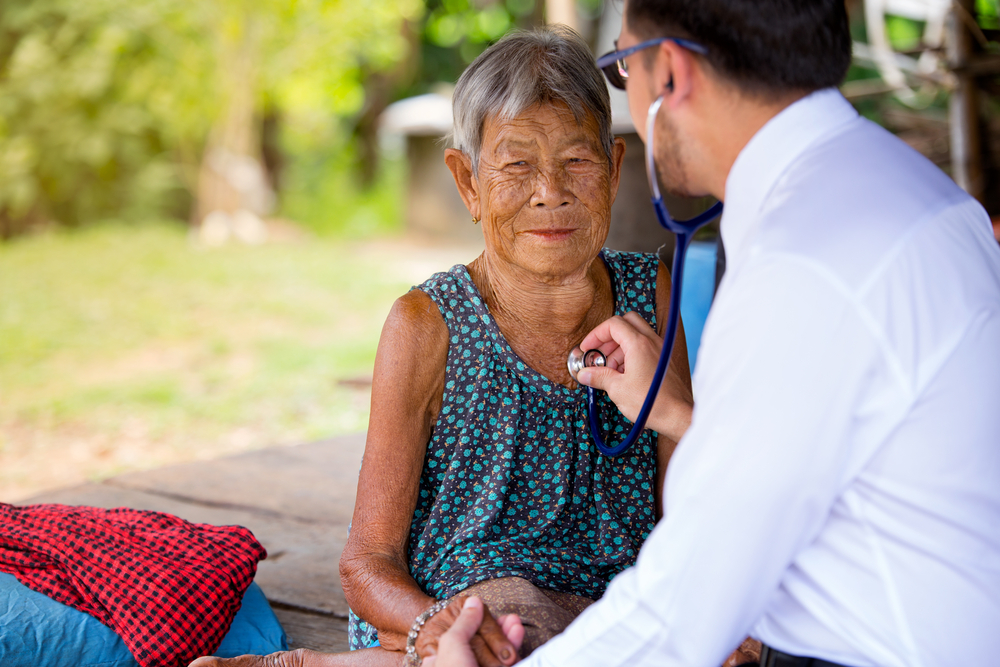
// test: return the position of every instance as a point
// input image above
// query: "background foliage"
(105, 105)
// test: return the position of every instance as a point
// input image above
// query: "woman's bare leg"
(368, 657)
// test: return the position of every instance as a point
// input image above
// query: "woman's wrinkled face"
(545, 189)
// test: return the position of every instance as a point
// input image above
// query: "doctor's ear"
(675, 72)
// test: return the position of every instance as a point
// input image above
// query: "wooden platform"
(297, 501)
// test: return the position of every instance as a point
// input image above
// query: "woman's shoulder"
(444, 282)
(438, 303)
(641, 263)
(415, 316)
(456, 295)
(633, 272)
(636, 281)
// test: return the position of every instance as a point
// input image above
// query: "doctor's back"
(888, 276)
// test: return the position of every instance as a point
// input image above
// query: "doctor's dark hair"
(762, 46)
(521, 70)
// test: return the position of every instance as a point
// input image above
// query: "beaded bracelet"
(412, 658)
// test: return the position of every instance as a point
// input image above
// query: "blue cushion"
(37, 631)
(255, 630)
(697, 291)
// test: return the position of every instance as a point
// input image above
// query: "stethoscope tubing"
(669, 338)
(684, 231)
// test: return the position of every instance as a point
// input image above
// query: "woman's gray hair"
(523, 69)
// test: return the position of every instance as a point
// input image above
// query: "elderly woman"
(480, 474)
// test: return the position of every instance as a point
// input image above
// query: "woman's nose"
(551, 191)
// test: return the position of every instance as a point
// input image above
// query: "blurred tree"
(310, 57)
(111, 108)
(93, 116)
(988, 14)
(454, 32)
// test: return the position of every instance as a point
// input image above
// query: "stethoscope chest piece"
(684, 230)
(578, 360)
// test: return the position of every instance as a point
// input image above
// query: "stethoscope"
(684, 231)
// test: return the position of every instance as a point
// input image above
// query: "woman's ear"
(465, 179)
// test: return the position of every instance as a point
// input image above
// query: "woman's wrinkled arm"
(407, 390)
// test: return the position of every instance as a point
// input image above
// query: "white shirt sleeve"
(753, 480)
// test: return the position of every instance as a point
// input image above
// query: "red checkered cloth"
(169, 588)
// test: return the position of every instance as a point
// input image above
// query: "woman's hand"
(456, 646)
(747, 654)
(632, 349)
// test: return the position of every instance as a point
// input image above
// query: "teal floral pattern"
(513, 484)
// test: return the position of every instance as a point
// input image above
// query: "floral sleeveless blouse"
(513, 484)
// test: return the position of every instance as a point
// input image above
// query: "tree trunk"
(562, 11)
(231, 177)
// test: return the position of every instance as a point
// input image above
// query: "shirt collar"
(768, 155)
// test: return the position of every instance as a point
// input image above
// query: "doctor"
(836, 493)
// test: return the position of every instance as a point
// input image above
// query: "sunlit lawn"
(128, 347)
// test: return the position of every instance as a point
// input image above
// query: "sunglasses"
(614, 67)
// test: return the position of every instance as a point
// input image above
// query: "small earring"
(475, 221)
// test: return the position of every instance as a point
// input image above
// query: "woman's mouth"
(551, 234)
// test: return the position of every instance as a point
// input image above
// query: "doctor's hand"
(632, 349)
(489, 642)
(455, 646)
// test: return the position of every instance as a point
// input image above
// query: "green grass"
(116, 335)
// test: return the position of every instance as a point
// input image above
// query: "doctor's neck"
(715, 122)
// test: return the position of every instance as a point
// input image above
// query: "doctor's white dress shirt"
(838, 492)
